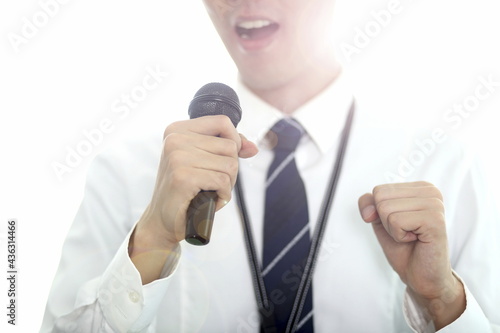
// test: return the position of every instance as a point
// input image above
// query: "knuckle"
(232, 167)
(393, 227)
(437, 204)
(377, 189)
(229, 148)
(424, 183)
(226, 126)
(223, 180)
(225, 122)
(393, 219)
(232, 148)
(438, 217)
(170, 129)
(176, 159)
(436, 193)
(171, 141)
(226, 196)
(179, 177)
(378, 192)
(383, 207)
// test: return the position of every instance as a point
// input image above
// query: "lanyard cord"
(305, 282)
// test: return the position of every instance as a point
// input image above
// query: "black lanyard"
(267, 319)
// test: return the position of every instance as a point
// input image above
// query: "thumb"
(248, 148)
(369, 213)
(367, 209)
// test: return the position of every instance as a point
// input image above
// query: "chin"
(258, 76)
(264, 74)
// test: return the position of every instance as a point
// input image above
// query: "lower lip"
(257, 44)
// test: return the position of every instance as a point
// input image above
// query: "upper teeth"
(254, 24)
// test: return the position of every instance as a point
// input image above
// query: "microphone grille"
(216, 99)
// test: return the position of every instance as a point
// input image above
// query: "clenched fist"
(409, 222)
(198, 154)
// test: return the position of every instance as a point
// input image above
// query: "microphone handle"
(200, 218)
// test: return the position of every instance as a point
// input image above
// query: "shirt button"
(133, 296)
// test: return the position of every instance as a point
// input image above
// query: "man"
(396, 279)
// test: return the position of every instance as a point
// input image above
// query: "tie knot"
(287, 133)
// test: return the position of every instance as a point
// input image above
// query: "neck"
(294, 93)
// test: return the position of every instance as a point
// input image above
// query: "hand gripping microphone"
(212, 99)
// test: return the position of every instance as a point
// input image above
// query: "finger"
(248, 148)
(411, 226)
(367, 209)
(217, 126)
(388, 207)
(191, 181)
(219, 184)
(203, 160)
(192, 142)
(407, 184)
(406, 190)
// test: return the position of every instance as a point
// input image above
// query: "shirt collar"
(323, 117)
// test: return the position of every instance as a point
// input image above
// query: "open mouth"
(256, 29)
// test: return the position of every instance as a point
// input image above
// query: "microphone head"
(216, 99)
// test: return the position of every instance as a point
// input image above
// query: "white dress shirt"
(209, 288)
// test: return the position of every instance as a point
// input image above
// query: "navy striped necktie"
(286, 229)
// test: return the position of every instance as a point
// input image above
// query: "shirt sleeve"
(125, 303)
(122, 304)
(473, 226)
(97, 288)
(472, 320)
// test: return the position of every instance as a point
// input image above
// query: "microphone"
(210, 100)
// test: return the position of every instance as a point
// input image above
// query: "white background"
(65, 79)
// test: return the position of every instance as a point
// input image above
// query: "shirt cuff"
(127, 305)
(471, 320)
